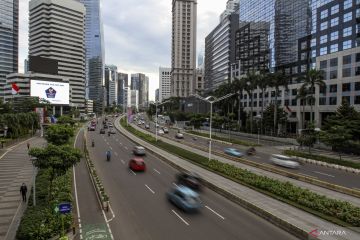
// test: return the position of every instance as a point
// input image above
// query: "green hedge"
(339, 212)
(321, 158)
(234, 141)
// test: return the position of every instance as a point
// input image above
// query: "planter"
(105, 205)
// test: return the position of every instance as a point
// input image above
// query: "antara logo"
(316, 233)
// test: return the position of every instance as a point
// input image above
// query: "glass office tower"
(9, 32)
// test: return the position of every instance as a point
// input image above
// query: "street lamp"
(214, 100)
(156, 121)
(34, 180)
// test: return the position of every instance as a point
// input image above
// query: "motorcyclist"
(93, 143)
(108, 155)
(251, 151)
(109, 133)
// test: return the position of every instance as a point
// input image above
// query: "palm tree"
(251, 81)
(303, 95)
(263, 83)
(238, 86)
(277, 80)
(312, 78)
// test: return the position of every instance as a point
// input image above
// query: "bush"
(59, 134)
(339, 212)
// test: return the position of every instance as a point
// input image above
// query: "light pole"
(156, 118)
(208, 99)
(258, 118)
(34, 180)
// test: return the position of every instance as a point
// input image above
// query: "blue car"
(184, 198)
(233, 152)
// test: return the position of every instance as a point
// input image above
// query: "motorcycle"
(108, 156)
(93, 143)
(251, 151)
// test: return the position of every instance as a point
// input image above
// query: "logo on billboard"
(50, 92)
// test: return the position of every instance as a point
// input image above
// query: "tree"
(151, 110)
(238, 86)
(66, 120)
(251, 80)
(59, 134)
(304, 97)
(263, 82)
(312, 78)
(338, 137)
(268, 116)
(308, 137)
(57, 159)
(196, 120)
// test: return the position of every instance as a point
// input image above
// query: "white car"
(166, 130)
(161, 132)
(179, 136)
(284, 161)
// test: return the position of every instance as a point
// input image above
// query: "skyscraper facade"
(164, 83)
(95, 54)
(111, 83)
(9, 34)
(183, 52)
(122, 85)
(140, 82)
(63, 43)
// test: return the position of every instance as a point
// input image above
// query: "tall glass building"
(95, 54)
(9, 32)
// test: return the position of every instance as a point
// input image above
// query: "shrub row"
(339, 212)
(41, 221)
(234, 141)
(321, 158)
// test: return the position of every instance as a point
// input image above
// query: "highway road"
(331, 175)
(142, 211)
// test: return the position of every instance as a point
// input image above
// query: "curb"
(329, 165)
(214, 140)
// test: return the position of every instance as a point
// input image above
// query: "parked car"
(184, 198)
(284, 161)
(137, 164)
(139, 150)
(191, 180)
(102, 131)
(166, 130)
(233, 152)
(179, 136)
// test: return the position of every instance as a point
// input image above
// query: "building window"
(323, 26)
(346, 98)
(334, 48)
(357, 86)
(323, 64)
(332, 101)
(334, 35)
(322, 101)
(357, 99)
(347, 31)
(347, 4)
(334, 22)
(323, 51)
(358, 57)
(348, 17)
(294, 92)
(346, 72)
(346, 59)
(322, 89)
(333, 88)
(303, 45)
(313, 42)
(303, 68)
(346, 87)
(333, 74)
(324, 14)
(333, 62)
(357, 71)
(346, 44)
(293, 102)
(334, 9)
(323, 39)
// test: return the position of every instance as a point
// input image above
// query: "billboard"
(54, 92)
(39, 64)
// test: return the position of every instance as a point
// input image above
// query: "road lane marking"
(175, 184)
(126, 148)
(116, 154)
(156, 171)
(325, 174)
(179, 217)
(123, 162)
(215, 213)
(133, 172)
(150, 189)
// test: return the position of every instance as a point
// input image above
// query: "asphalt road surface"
(142, 211)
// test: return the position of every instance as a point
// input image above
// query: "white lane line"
(132, 172)
(116, 154)
(156, 171)
(126, 148)
(179, 217)
(150, 189)
(175, 184)
(215, 213)
(325, 174)
(110, 148)
(123, 162)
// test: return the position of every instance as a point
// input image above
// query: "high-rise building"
(9, 34)
(140, 82)
(111, 83)
(56, 31)
(122, 85)
(134, 99)
(145, 93)
(157, 95)
(183, 49)
(95, 54)
(164, 83)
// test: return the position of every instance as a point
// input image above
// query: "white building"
(164, 83)
(134, 99)
(111, 83)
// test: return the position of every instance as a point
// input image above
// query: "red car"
(137, 164)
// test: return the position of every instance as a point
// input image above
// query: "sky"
(137, 34)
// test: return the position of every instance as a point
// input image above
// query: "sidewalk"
(15, 169)
(283, 214)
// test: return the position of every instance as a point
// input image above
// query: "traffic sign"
(64, 208)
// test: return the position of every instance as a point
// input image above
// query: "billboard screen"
(54, 92)
(43, 65)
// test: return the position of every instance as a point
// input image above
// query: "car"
(179, 136)
(284, 161)
(139, 123)
(233, 152)
(110, 124)
(137, 164)
(139, 150)
(105, 126)
(156, 125)
(112, 131)
(92, 128)
(166, 130)
(102, 131)
(191, 180)
(116, 115)
(147, 126)
(184, 198)
(161, 132)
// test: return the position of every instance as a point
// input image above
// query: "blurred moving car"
(184, 198)
(191, 180)
(161, 132)
(166, 130)
(102, 131)
(137, 164)
(233, 152)
(139, 150)
(179, 136)
(284, 161)
(147, 126)
(92, 128)
(105, 126)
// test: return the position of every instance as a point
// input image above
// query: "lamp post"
(156, 118)
(34, 180)
(258, 118)
(214, 100)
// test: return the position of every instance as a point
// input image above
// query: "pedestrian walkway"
(15, 169)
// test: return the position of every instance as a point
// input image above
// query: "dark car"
(102, 131)
(190, 180)
(106, 126)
